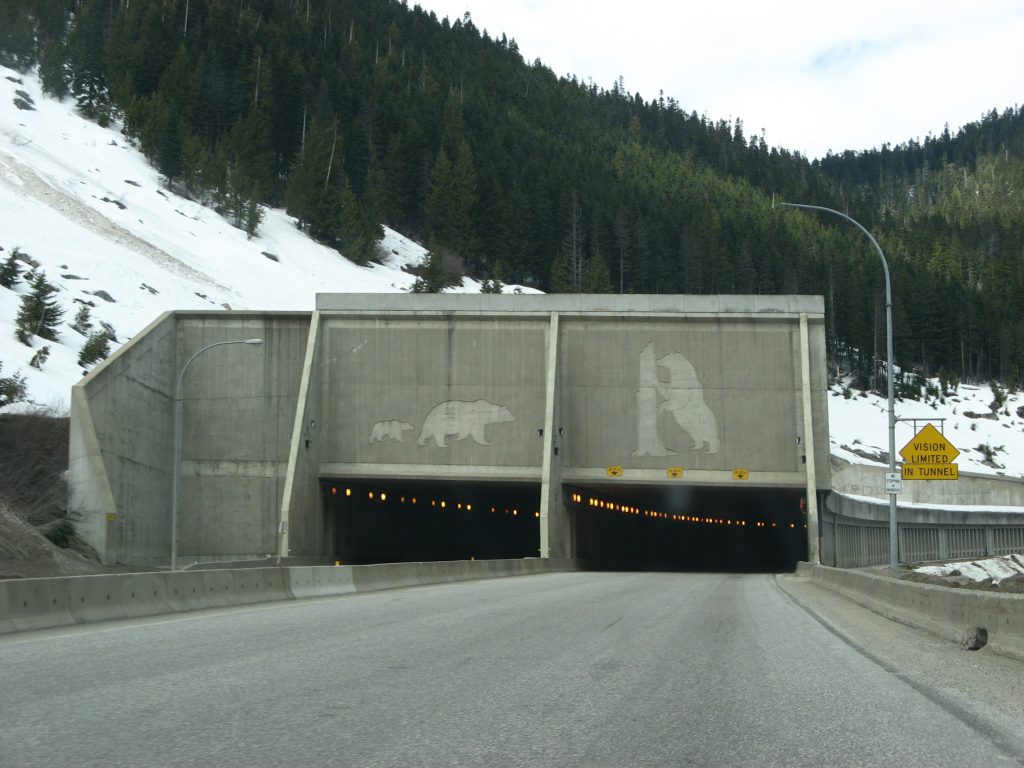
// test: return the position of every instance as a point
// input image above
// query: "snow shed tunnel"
(684, 528)
(644, 403)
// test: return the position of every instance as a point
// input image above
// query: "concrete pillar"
(811, 493)
(89, 492)
(293, 485)
(555, 534)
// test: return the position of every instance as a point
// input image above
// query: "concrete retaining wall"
(971, 489)
(944, 611)
(27, 604)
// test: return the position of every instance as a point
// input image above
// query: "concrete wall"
(969, 490)
(239, 413)
(120, 448)
(440, 396)
(459, 387)
(708, 395)
(878, 511)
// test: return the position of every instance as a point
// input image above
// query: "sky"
(814, 75)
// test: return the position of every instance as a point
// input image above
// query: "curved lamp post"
(176, 475)
(893, 541)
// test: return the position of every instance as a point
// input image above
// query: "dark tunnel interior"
(689, 528)
(615, 527)
(401, 521)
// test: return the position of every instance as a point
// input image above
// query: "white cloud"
(814, 75)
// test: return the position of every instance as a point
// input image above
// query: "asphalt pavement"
(573, 669)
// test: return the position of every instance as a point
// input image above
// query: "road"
(578, 669)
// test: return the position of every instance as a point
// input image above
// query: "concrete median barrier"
(107, 597)
(184, 590)
(320, 581)
(6, 625)
(944, 611)
(27, 604)
(38, 603)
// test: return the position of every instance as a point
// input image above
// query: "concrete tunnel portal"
(677, 432)
(641, 527)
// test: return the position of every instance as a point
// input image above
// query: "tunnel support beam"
(554, 536)
(811, 495)
(292, 483)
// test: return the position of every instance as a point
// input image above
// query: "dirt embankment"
(33, 501)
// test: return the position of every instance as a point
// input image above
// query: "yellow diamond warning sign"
(929, 456)
(929, 446)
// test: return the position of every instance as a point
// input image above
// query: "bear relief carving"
(389, 430)
(681, 395)
(454, 418)
(462, 419)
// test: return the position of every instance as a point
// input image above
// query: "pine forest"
(355, 113)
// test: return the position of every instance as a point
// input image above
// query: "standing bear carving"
(462, 419)
(684, 399)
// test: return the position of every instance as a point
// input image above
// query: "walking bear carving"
(462, 419)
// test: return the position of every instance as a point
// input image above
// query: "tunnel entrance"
(381, 521)
(688, 528)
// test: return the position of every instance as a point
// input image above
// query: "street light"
(893, 542)
(176, 476)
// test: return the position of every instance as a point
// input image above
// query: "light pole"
(176, 474)
(893, 541)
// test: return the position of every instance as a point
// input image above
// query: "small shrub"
(12, 389)
(40, 357)
(83, 320)
(96, 348)
(108, 329)
(61, 533)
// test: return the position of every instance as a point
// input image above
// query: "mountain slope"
(89, 209)
(149, 251)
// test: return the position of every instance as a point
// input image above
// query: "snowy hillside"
(859, 427)
(86, 206)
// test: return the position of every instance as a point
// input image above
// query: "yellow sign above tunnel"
(741, 474)
(674, 472)
(614, 471)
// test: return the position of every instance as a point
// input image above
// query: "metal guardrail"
(862, 539)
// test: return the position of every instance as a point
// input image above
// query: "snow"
(993, 569)
(861, 423)
(87, 206)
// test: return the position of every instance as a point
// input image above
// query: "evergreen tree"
(10, 270)
(39, 313)
(12, 388)
(83, 320)
(431, 278)
(86, 45)
(95, 348)
(40, 357)
(597, 279)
